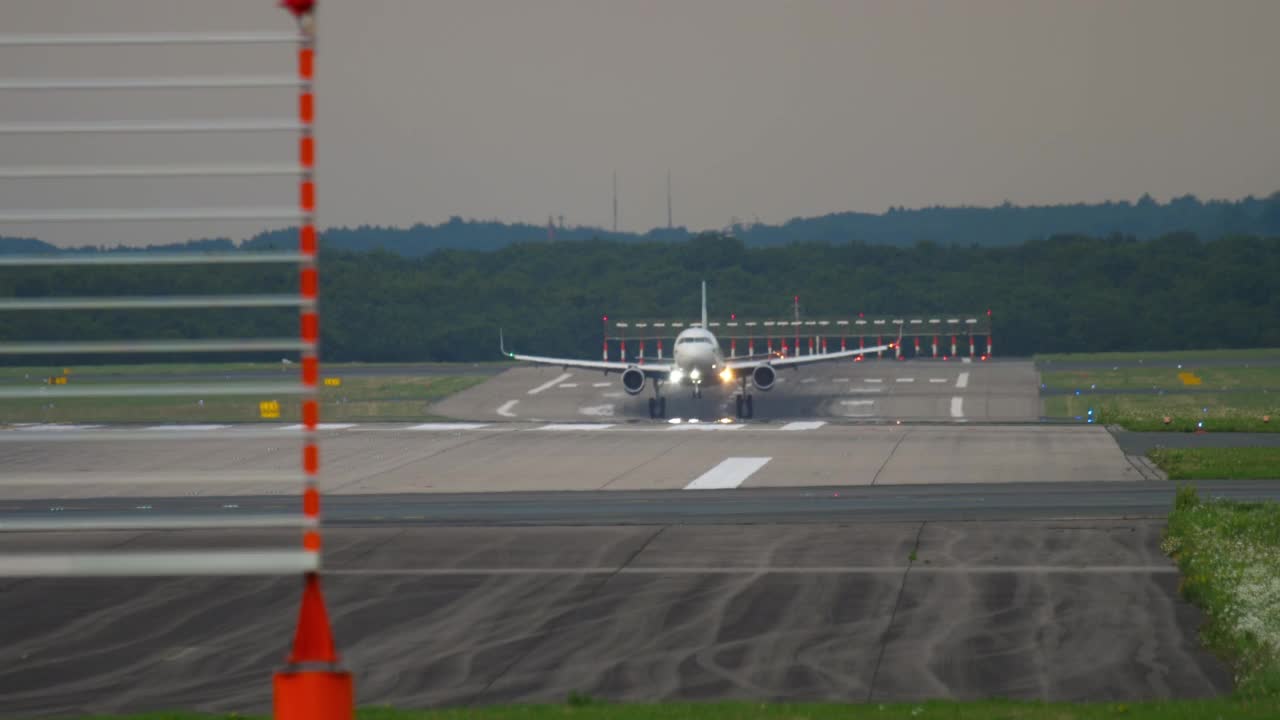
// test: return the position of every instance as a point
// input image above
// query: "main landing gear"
(743, 402)
(657, 404)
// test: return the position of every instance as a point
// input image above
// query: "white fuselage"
(697, 358)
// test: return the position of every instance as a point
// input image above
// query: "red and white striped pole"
(733, 347)
(659, 348)
(989, 353)
(768, 345)
(953, 346)
(917, 347)
(970, 346)
(935, 346)
(751, 346)
(879, 341)
(311, 686)
(842, 343)
(622, 347)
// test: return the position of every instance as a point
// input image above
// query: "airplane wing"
(658, 370)
(794, 360)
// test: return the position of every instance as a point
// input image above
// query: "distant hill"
(999, 226)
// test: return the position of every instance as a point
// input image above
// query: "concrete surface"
(1057, 610)
(873, 389)
(384, 459)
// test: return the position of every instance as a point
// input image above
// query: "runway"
(506, 457)
(1053, 610)
(516, 557)
(996, 391)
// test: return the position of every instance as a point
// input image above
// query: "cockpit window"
(702, 340)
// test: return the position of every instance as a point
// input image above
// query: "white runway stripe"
(56, 428)
(728, 474)
(937, 380)
(858, 403)
(704, 426)
(449, 426)
(809, 380)
(323, 426)
(550, 384)
(603, 384)
(569, 385)
(963, 380)
(906, 380)
(505, 408)
(872, 380)
(803, 425)
(180, 428)
(575, 426)
(841, 380)
(957, 407)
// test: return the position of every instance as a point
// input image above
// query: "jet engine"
(633, 380)
(763, 376)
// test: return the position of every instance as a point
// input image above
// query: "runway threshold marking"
(803, 425)
(550, 384)
(505, 408)
(957, 407)
(963, 380)
(729, 474)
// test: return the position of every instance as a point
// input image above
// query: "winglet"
(502, 345)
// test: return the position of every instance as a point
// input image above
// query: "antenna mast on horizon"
(669, 225)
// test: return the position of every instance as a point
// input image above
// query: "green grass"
(1175, 355)
(1229, 554)
(1217, 709)
(1250, 463)
(357, 399)
(1220, 412)
(1129, 377)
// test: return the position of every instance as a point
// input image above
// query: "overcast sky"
(520, 109)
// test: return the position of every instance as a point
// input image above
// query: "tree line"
(1062, 294)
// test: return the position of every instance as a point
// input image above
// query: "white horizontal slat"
(147, 258)
(167, 389)
(141, 521)
(56, 347)
(111, 215)
(152, 83)
(153, 303)
(158, 564)
(216, 38)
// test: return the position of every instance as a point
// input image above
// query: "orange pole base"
(314, 695)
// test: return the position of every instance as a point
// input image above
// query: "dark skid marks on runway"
(673, 612)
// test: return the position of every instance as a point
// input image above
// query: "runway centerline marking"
(840, 380)
(566, 427)
(603, 384)
(957, 407)
(937, 380)
(505, 409)
(569, 385)
(866, 390)
(963, 380)
(729, 474)
(448, 426)
(872, 380)
(809, 380)
(550, 384)
(803, 425)
(857, 402)
(910, 380)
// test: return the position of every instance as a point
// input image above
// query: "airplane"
(697, 362)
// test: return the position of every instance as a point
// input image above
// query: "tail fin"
(704, 304)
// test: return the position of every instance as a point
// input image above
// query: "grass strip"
(1246, 463)
(1229, 554)
(1214, 412)
(1175, 355)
